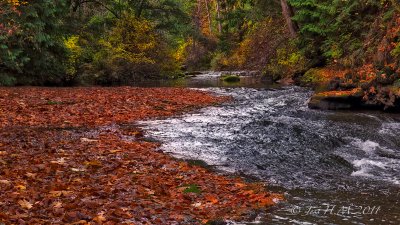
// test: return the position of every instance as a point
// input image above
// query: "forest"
(84, 141)
(105, 42)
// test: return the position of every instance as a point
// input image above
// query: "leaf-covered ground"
(73, 155)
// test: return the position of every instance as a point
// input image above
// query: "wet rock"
(230, 78)
(387, 99)
(193, 73)
(336, 100)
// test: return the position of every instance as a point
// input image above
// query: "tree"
(287, 12)
(34, 48)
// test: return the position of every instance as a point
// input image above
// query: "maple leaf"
(56, 194)
(25, 204)
(57, 205)
(100, 218)
(21, 187)
(93, 163)
(212, 199)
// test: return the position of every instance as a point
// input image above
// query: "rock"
(230, 78)
(286, 81)
(193, 73)
(336, 100)
(312, 77)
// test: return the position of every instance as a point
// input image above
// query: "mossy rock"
(312, 77)
(336, 100)
(230, 78)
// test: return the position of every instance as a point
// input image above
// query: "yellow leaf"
(93, 163)
(21, 187)
(100, 218)
(56, 194)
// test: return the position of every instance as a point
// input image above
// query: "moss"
(230, 78)
(312, 76)
(191, 188)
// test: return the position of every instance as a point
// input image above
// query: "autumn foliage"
(76, 156)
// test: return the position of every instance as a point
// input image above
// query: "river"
(334, 167)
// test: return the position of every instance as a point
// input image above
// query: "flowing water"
(332, 167)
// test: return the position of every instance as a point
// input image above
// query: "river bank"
(74, 155)
(366, 87)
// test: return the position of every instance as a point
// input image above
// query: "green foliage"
(35, 48)
(7, 80)
(286, 61)
(192, 188)
(312, 76)
(74, 55)
(336, 28)
(132, 51)
(396, 51)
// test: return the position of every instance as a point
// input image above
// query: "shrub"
(7, 80)
(132, 51)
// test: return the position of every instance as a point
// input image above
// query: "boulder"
(336, 100)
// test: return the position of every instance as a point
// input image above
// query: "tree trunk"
(208, 17)
(219, 17)
(287, 12)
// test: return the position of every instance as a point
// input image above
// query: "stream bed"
(333, 167)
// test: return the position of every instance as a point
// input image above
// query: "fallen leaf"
(31, 175)
(100, 218)
(211, 198)
(21, 187)
(77, 170)
(56, 194)
(93, 163)
(25, 204)
(57, 205)
(88, 140)
(197, 204)
(6, 182)
(60, 161)
(115, 151)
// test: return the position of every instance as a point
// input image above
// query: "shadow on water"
(333, 167)
(206, 80)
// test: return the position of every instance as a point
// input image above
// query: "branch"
(79, 3)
